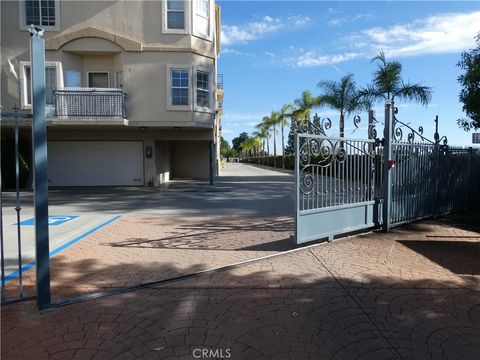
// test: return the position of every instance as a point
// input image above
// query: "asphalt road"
(240, 190)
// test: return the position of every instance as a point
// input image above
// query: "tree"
(283, 115)
(262, 134)
(290, 148)
(470, 83)
(342, 96)
(273, 121)
(251, 145)
(236, 142)
(264, 128)
(225, 150)
(304, 105)
(388, 84)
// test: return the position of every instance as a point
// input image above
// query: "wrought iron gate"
(344, 185)
(12, 257)
(338, 182)
(430, 178)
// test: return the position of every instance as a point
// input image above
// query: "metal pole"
(387, 174)
(297, 184)
(2, 255)
(18, 208)
(40, 179)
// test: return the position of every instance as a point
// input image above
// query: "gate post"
(387, 166)
(40, 178)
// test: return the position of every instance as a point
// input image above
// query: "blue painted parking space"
(53, 220)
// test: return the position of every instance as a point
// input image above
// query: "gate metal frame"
(409, 179)
(336, 184)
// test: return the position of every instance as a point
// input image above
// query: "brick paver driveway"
(411, 294)
(173, 230)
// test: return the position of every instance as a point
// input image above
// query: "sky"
(273, 50)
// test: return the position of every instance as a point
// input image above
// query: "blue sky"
(273, 50)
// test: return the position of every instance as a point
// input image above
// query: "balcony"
(220, 81)
(90, 103)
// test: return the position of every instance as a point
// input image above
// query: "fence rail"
(90, 102)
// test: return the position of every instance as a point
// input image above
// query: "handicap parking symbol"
(53, 220)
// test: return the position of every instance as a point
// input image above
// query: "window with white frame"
(44, 13)
(175, 14)
(53, 81)
(202, 18)
(203, 89)
(179, 87)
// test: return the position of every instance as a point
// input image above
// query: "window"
(176, 14)
(203, 89)
(98, 79)
(202, 18)
(180, 87)
(53, 81)
(44, 13)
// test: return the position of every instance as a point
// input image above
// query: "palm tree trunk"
(283, 146)
(274, 147)
(263, 150)
(342, 125)
(268, 151)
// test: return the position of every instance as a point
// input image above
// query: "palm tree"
(388, 84)
(342, 96)
(303, 105)
(264, 126)
(256, 144)
(262, 134)
(273, 121)
(284, 113)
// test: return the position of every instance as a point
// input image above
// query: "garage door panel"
(95, 163)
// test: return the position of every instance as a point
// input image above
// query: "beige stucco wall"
(144, 71)
(127, 36)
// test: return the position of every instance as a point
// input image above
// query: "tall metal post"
(387, 166)
(40, 179)
(2, 255)
(18, 207)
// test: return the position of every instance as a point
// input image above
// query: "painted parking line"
(65, 246)
(53, 220)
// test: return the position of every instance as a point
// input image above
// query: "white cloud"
(443, 33)
(242, 117)
(345, 19)
(437, 34)
(312, 58)
(236, 52)
(299, 21)
(241, 34)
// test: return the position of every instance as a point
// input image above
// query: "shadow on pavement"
(286, 308)
(460, 257)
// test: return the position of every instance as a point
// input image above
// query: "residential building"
(131, 87)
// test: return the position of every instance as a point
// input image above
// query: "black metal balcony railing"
(220, 81)
(90, 102)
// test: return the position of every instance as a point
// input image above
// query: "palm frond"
(414, 92)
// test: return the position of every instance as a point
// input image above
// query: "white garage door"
(95, 163)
